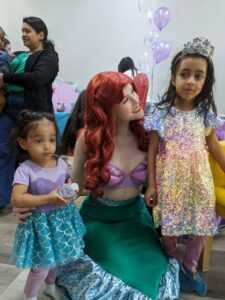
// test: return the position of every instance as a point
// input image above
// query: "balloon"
(144, 5)
(142, 84)
(150, 17)
(161, 51)
(161, 17)
(151, 39)
(145, 63)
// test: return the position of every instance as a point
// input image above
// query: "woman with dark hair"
(29, 86)
(73, 125)
(126, 66)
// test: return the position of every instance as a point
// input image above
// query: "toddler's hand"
(151, 196)
(69, 180)
(55, 199)
(23, 213)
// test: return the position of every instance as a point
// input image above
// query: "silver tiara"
(199, 45)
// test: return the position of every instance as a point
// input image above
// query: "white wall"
(93, 35)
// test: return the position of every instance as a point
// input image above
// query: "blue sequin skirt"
(49, 239)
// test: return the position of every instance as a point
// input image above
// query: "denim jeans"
(15, 103)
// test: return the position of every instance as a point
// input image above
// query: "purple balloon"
(162, 51)
(161, 17)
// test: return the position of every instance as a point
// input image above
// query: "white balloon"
(144, 5)
(145, 62)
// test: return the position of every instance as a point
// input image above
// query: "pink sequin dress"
(186, 199)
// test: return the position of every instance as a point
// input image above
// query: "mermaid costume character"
(123, 256)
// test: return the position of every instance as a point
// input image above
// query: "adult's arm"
(215, 149)
(23, 213)
(43, 71)
(150, 194)
(80, 156)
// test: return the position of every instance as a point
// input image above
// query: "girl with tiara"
(180, 184)
(53, 234)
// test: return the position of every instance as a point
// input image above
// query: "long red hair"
(103, 92)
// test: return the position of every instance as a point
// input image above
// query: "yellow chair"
(219, 182)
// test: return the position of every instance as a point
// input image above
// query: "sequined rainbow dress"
(186, 200)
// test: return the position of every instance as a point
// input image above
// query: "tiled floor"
(12, 281)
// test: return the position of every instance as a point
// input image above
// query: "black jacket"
(41, 68)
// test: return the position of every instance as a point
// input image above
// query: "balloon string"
(152, 80)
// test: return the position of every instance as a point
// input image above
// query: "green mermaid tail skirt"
(123, 241)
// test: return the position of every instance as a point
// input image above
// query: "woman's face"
(129, 108)
(31, 38)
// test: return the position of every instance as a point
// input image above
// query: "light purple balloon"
(162, 51)
(161, 17)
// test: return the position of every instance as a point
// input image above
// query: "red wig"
(103, 92)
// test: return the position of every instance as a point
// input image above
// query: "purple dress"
(51, 236)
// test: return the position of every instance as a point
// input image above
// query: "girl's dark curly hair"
(27, 120)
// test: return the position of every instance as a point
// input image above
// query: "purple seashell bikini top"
(119, 179)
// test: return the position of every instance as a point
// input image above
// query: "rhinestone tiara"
(199, 45)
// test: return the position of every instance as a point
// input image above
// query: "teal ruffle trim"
(84, 279)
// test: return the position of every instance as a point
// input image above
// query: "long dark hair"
(74, 124)
(26, 120)
(126, 64)
(205, 100)
(39, 26)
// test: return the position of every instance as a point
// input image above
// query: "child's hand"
(2, 99)
(55, 199)
(69, 180)
(23, 213)
(151, 196)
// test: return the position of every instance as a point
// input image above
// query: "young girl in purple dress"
(53, 235)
